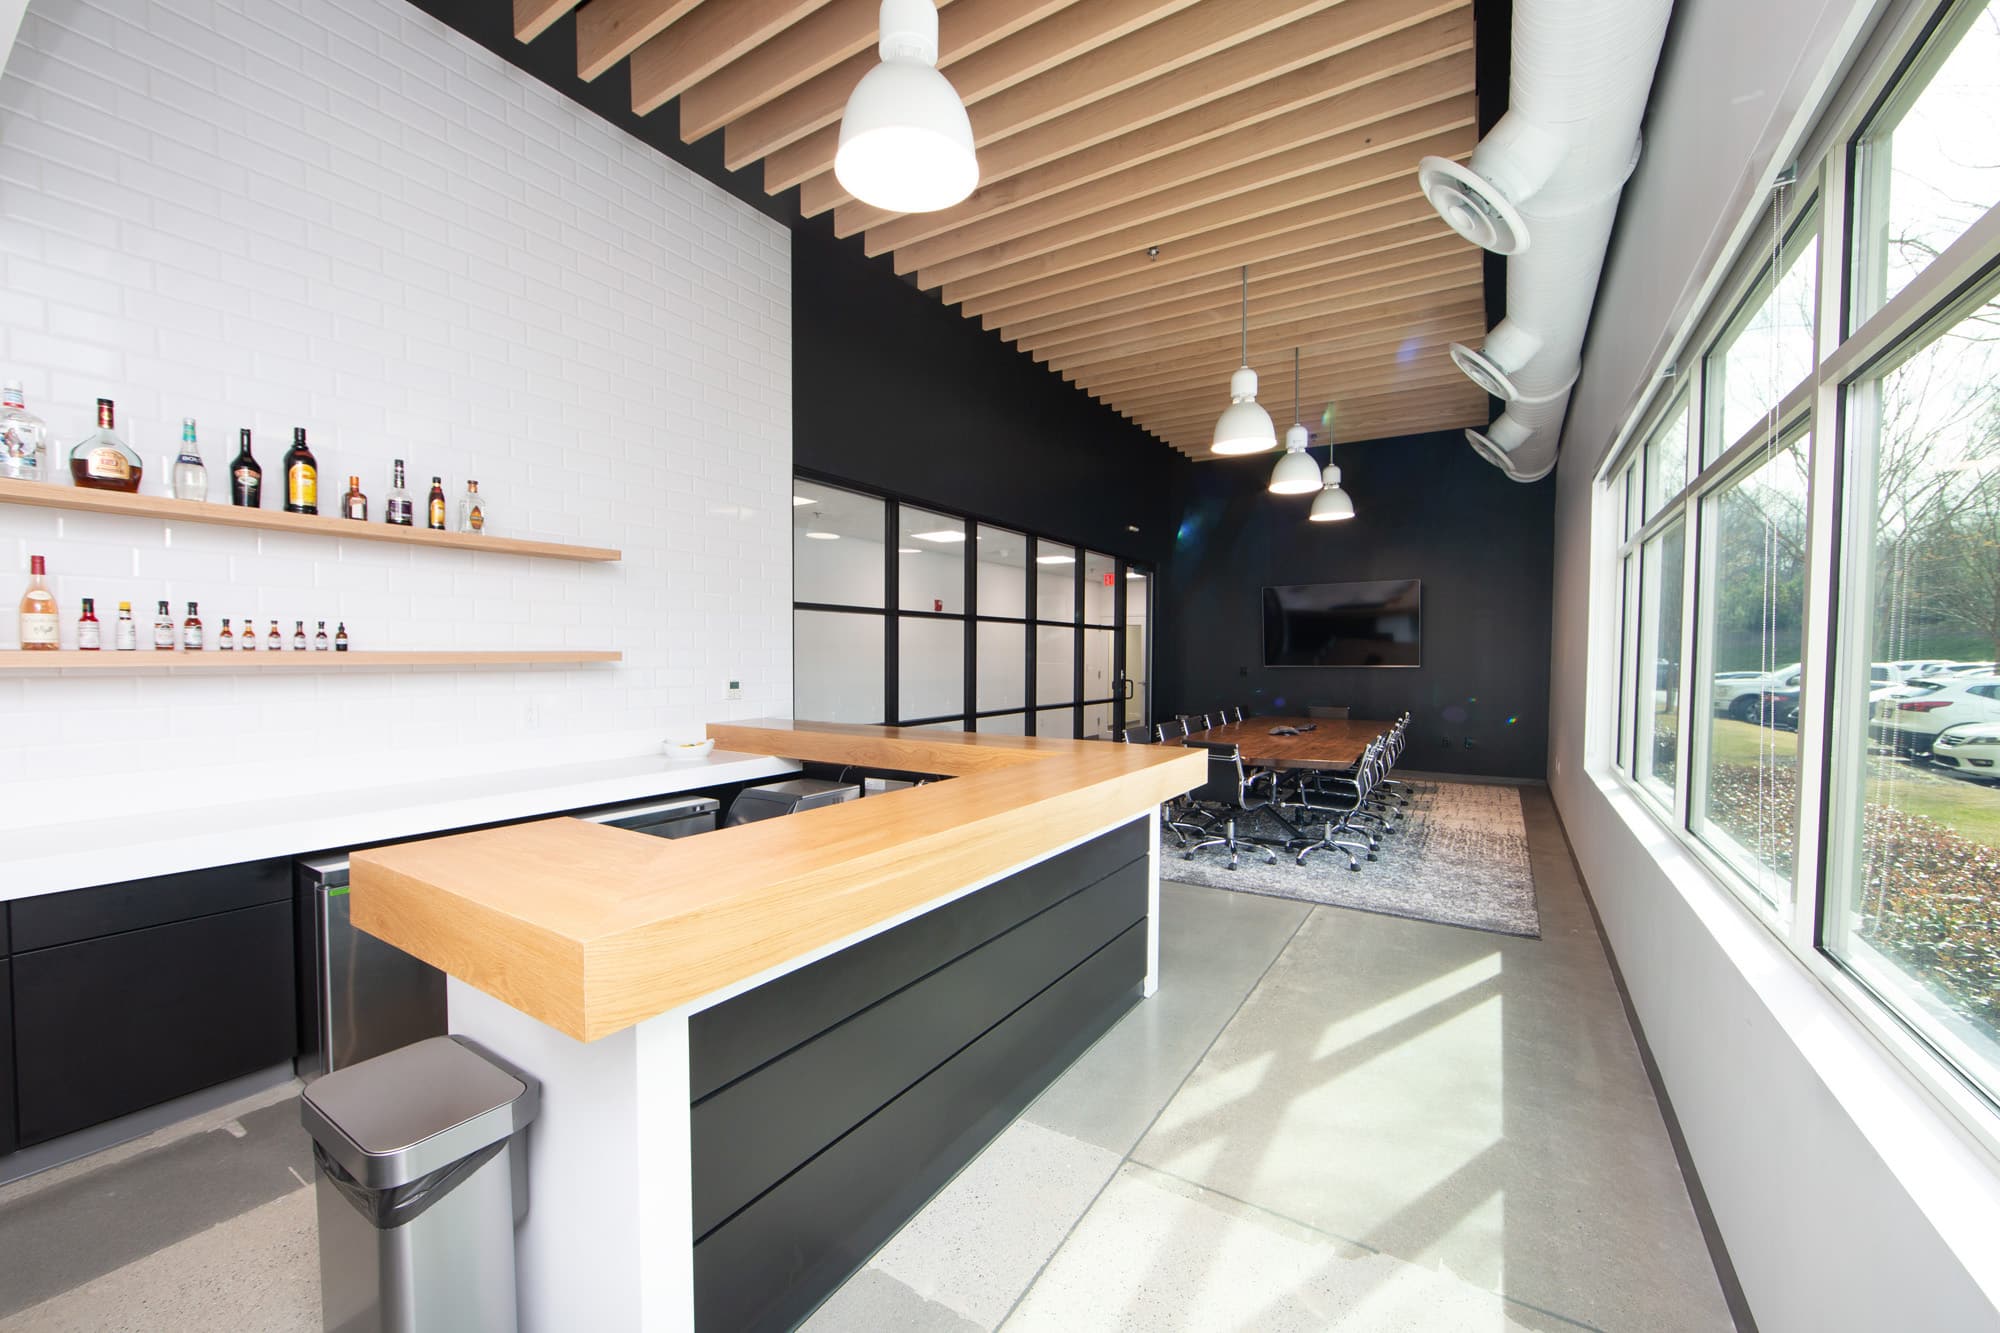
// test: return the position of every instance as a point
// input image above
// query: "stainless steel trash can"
(784, 798)
(420, 1184)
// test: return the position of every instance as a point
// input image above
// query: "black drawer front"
(8, 1138)
(110, 1026)
(735, 1037)
(86, 914)
(797, 1104)
(774, 1261)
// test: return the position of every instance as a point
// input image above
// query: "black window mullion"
(1032, 607)
(1076, 648)
(1118, 719)
(892, 608)
(971, 625)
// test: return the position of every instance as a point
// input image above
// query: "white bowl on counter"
(683, 751)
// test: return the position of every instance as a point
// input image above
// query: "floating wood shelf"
(48, 496)
(151, 660)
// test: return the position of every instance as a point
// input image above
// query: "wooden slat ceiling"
(1133, 154)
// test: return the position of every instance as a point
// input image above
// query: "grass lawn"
(1971, 809)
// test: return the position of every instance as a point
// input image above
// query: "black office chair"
(1236, 713)
(1342, 812)
(1139, 735)
(1175, 730)
(1228, 794)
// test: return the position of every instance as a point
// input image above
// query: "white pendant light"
(905, 140)
(1332, 503)
(1244, 427)
(1296, 473)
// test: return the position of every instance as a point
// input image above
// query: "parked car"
(1735, 692)
(1912, 667)
(1780, 708)
(1910, 724)
(1972, 750)
(1957, 669)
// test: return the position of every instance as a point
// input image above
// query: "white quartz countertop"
(49, 858)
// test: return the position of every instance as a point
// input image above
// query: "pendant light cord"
(1295, 386)
(1246, 314)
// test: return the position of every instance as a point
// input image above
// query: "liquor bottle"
(21, 437)
(301, 476)
(125, 634)
(340, 638)
(190, 473)
(39, 630)
(246, 475)
(274, 640)
(354, 504)
(191, 635)
(226, 641)
(89, 630)
(471, 509)
(103, 461)
(298, 636)
(400, 510)
(163, 629)
(247, 640)
(436, 506)
(320, 642)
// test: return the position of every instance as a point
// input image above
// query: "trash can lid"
(416, 1109)
(801, 787)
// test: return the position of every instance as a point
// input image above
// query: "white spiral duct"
(1543, 187)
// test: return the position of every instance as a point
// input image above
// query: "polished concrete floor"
(1325, 1119)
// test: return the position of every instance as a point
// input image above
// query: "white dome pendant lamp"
(1296, 473)
(1332, 503)
(1244, 427)
(905, 140)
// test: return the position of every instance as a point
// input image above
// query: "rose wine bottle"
(39, 630)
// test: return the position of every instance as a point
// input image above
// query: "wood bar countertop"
(592, 929)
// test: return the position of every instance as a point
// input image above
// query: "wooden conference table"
(1333, 742)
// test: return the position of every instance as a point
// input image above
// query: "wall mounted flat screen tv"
(1376, 624)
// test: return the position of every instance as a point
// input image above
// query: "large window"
(911, 615)
(1803, 532)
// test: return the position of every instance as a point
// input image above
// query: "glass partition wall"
(993, 629)
(1802, 535)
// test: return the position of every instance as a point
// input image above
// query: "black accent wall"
(899, 393)
(1426, 507)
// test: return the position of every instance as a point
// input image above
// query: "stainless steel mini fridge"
(367, 997)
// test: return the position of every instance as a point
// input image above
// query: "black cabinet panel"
(774, 1261)
(7, 1135)
(6, 939)
(735, 1037)
(109, 1026)
(811, 1096)
(85, 914)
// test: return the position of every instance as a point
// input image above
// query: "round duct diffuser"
(1484, 371)
(1471, 206)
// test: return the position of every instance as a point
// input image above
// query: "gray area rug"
(1459, 857)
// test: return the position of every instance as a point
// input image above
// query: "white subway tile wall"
(341, 215)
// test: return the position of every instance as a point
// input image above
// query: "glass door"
(1135, 661)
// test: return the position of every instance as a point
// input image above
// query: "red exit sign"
(1110, 582)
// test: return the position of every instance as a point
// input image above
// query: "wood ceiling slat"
(1234, 53)
(1261, 212)
(815, 44)
(1369, 409)
(533, 17)
(1325, 265)
(1317, 388)
(1345, 161)
(1362, 294)
(1461, 317)
(1421, 416)
(1408, 68)
(670, 62)
(1131, 277)
(979, 66)
(609, 30)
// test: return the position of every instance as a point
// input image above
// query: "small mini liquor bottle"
(246, 475)
(354, 504)
(39, 629)
(247, 640)
(471, 509)
(191, 635)
(21, 436)
(340, 638)
(163, 629)
(320, 642)
(274, 640)
(399, 510)
(89, 630)
(102, 460)
(125, 634)
(190, 473)
(436, 507)
(298, 636)
(301, 476)
(225, 641)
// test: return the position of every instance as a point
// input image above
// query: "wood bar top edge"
(591, 929)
